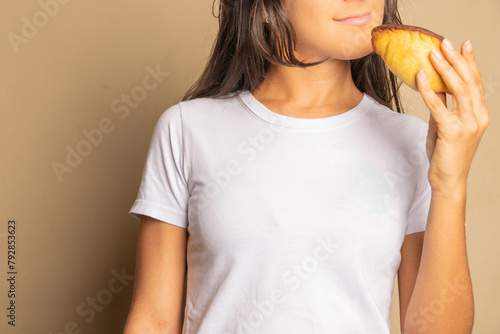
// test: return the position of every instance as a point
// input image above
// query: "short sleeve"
(419, 211)
(163, 193)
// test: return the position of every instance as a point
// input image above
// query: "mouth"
(356, 18)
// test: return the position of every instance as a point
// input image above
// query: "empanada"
(405, 50)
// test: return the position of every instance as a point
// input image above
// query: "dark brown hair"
(245, 47)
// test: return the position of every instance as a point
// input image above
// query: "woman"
(292, 194)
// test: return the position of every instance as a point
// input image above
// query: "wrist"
(449, 186)
(457, 192)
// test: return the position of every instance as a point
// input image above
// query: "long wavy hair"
(245, 47)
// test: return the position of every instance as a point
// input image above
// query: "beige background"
(74, 235)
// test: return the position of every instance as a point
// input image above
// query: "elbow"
(151, 327)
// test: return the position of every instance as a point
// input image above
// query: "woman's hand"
(454, 135)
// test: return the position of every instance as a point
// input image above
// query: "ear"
(265, 16)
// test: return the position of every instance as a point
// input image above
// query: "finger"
(450, 76)
(465, 65)
(468, 54)
(431, 99)
(457, 61)
(477, 90)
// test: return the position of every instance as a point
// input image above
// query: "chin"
(353, 52)
(358, 46)
(363, 53)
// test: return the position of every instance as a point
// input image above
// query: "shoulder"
(201, 115)
(397, 124)
(209, 104)
(191, 108)
(205, 112)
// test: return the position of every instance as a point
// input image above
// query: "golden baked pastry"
(405, 50)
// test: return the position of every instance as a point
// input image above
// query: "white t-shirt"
(295, 225)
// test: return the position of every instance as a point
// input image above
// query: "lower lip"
(358, 20)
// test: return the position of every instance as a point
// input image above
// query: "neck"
(318, 91)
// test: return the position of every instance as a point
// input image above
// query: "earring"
(267, 20)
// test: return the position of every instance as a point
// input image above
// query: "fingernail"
(437, 54)
(448, 44)
(468, 46)
(422, 75)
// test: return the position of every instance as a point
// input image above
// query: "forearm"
(442, 299)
